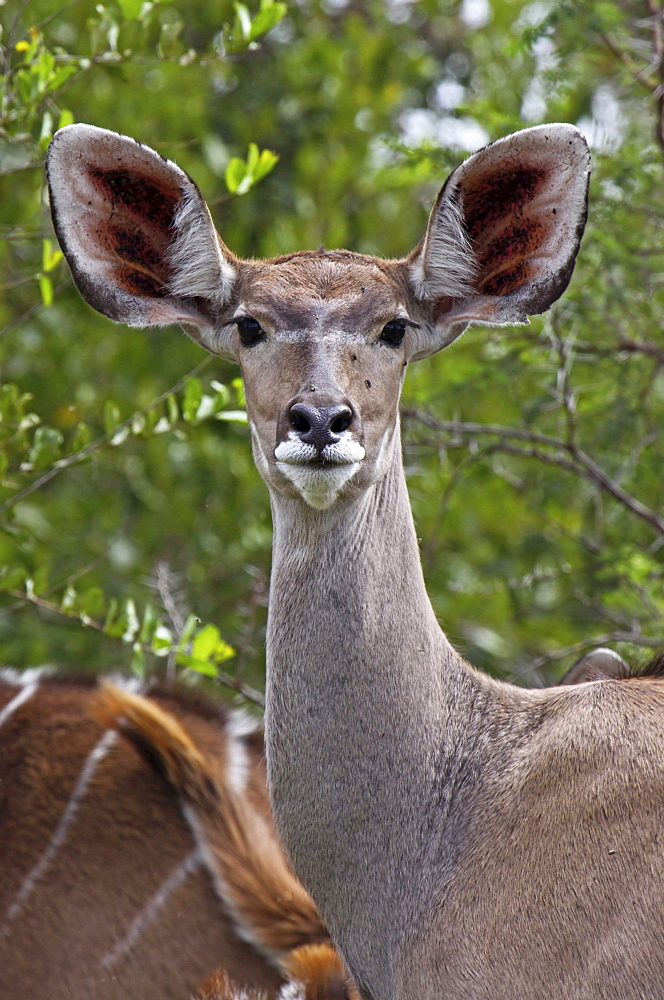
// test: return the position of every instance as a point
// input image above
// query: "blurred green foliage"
(132, 515)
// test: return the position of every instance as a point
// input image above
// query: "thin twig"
(251, 694)
(248, 692)
(627, 61)
(577, 462)
(36, 164)
(172, 604)
(577, 648)
(642, 347)
(32, 311)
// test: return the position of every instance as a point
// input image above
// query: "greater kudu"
(461, 837)
(138, 853)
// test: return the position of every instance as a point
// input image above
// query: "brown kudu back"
(138, 852)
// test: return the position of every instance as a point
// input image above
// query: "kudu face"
(322, 338)
(322, 349)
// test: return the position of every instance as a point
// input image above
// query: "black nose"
(320, 426)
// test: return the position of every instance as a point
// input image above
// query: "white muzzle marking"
(318, 478)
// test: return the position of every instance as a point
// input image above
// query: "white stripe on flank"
(96, 755)
(151, 911)
(23, 695)
(247, 932)
(19, 678)
(292, 990)
(239, 724)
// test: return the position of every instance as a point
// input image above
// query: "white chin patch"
(318, 485)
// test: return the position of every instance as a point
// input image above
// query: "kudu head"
(322, 338)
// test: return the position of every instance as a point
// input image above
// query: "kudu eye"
(393, 333)
(250, 330)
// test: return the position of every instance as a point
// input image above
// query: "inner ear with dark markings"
(139, 228)
(136, 233)
(503, 236)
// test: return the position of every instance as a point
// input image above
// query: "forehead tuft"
(321, 274)
(302, 288)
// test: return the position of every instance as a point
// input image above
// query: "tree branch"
(577, 463)
(66, 463)
(578, 648)
(629, 64)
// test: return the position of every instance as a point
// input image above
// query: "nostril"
(299, 422)
(341, 423)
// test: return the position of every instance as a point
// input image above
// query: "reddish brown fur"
(127, 837)
(321, 972)
(219, 986)
(313, 972)
(267, 900)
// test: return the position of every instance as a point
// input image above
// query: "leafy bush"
(132, 516)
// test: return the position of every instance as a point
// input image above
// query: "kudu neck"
(367, 709)
(360, 555)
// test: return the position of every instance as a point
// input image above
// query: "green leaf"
(266, 163)
(60, 76)
(162, 640)
(173, 410)
(193, 394)
(223, 396)
(131, 8)
(46, 447)
(190, 626)
(46, 289)
(81, 437)
(51, 255)
(208, 650)
(233, 416)
(148, 625)
(69, 599)
(111, 416)
(267, 18)
(91, 603)
(43, 67)
(130, 621)
(242, 22)
(205, 642)
(138, 423)
(122, 621)
(238, 385)
(46, 133)
(252, 158)
(205, 667)
(137, 664)
(235, 174)
(66, 118)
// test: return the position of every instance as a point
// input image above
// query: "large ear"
(598, 665)
(136, 233)
(503, 235)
